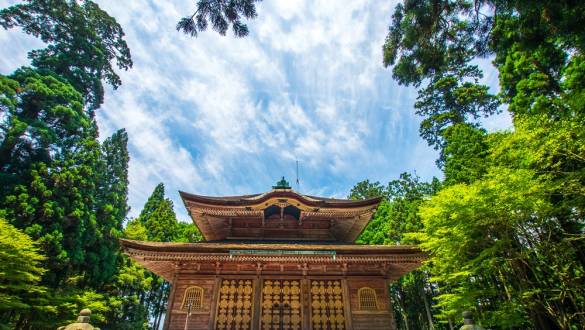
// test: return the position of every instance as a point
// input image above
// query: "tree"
(464, 153)
(158, 217)
(83, 41)
(396, 216)
(42, 117)
(157, 222)
(220, 13)
(366, 189)
(19, 281)
(454, 97)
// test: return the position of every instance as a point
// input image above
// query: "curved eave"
(225, 247)
(255, 199)
(166, 259)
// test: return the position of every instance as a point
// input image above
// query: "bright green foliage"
(20, 273)
(397, 215)
(188, 233)
(220, 13)
(505, 235)
(83, 41)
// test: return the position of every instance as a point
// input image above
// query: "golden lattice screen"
(281, 305)
(194, 296)
(234, 308)
(367, 298)
(327, 305)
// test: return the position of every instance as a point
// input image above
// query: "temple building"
(277, 260)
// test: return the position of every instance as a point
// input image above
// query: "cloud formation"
(221, 116)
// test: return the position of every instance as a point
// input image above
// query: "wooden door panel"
(281, 305)
(235, 305)
(327, 305)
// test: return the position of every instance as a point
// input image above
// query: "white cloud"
(219, 115)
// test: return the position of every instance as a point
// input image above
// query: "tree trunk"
(427, 309)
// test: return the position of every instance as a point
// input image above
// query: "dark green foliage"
(158, 217)
(464, 154)
(82, 39)
(451, 98)
(58, 183)
(42, 118)
(220, 14)
(397, 215)
(157, 222)
(504, 235)
(366, 189)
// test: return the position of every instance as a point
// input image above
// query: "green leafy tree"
(157, 222)
(20, 274)
(83, 41)
(396, 216)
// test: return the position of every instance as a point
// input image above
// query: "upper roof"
(255, 199)
(281, 214)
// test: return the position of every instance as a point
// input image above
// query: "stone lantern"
(82, 322)
(468, 323)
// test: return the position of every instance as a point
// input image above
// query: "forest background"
(503, 228)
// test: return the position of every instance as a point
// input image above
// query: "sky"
(219, 115)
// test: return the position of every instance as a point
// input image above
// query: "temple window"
(293, 211)
(193, 295)
(367, 298)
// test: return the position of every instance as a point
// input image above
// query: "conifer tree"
(83, 42)
(158, 217)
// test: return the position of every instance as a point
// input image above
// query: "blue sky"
(224, 116)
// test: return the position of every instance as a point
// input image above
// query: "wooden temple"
(277, 260)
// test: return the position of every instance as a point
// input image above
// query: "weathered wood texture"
(379, 318)
(283, 301)
(200, 318)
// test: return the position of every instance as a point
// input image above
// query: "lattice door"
(327, 305)
(234, 307)
(281, 305)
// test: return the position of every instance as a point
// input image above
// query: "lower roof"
(227, 246)
(229, 258)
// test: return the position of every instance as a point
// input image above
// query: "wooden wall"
(200, 319)
(380, 319)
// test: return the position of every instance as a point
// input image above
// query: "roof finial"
(282, 184)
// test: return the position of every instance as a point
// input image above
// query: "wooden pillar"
(306, 303)
(171, 302)
(214, 299)
(257, 302)
(346, 304)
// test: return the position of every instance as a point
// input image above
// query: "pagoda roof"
(255, 199)
(226, 246)
(166, 258)
(245, 216)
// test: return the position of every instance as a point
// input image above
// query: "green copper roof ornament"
(282, 184)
